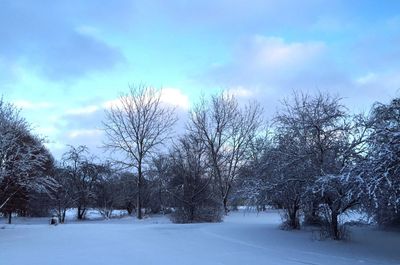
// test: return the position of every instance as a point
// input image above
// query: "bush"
(325, 232)
(210, 214)
(387, 217)
(289, 222)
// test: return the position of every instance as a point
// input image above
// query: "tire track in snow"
(282, 254)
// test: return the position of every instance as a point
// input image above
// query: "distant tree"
(126, 191)
(158, 177)
(135, 128)
(63, 196)
(285, 172)
(190, 183)
(39, 204)
(83, 174)
(17, 203)
(106, 190)
(227, 131)
(252, 184)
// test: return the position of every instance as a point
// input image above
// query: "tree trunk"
(81, 213)
(129, 208)
(225, 203)
(59, 214)
(335, 226)
(160, 198)
(63, 216)
(293, 222)
(191, 213)
(312, 216)
(9, 217)
(139, 194)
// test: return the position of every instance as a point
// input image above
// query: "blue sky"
(64, 62)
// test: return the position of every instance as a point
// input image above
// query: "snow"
(244, 237)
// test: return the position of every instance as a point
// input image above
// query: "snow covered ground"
(243, 238)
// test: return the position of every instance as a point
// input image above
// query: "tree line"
(314, 160)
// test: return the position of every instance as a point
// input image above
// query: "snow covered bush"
(313, 139)
(337, 194)
(381, 168)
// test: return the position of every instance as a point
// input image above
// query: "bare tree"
(83, 174)
(190, 183)
(227, 131)
(135, 128)
(106, 191)
(63, 197)
(158, 177)
(286, 173)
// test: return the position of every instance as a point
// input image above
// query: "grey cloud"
(43, 36)
(273, 63)
(83, 129)
(272, 69)
(75, 56)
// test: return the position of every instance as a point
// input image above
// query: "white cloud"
(274, 52)
(175, 97)
(49, 130)
(29, 105)
(241, 92)
(84, 133)
(273, 63)
(169, 95)
(269, 68)
(112, 103)
(365, 79)
(83, 110)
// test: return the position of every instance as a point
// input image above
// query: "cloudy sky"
(64, 62)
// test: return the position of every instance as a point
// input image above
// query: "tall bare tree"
(227, 131)
(136, 127)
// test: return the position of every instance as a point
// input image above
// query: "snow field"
(243, 238)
